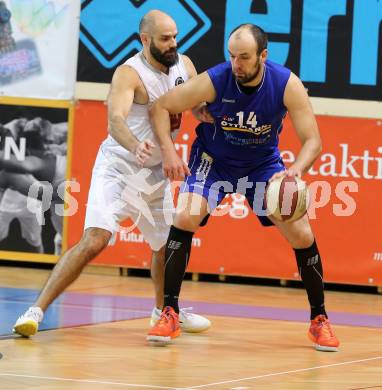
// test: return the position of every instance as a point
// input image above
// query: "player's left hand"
(173, 166)
(202, 114)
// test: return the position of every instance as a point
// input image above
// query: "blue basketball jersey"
(247, 127)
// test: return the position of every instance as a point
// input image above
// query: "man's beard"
(249, 77)
(167, 58)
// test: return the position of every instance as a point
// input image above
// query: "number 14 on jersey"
(251, 121)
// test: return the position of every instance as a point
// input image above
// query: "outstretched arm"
(197, 90)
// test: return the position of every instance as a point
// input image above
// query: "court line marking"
(188, 387)
(285, 372)
(54, 378)
(86, 306)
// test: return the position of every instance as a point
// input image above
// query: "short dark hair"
(258, 34)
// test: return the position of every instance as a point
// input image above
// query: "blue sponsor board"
(111, 33)
(334, 46)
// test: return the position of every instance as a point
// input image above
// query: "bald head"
(155, 20)
(249, 34)
(158, 33)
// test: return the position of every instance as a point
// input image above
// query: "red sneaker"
(321, 333)
(166, 328)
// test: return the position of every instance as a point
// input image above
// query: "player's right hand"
(144, 151)
(174, 167)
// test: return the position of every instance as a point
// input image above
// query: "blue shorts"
(213, 180)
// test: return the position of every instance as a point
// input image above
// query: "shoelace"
(186, 311)
(165, 317)
(31, 314)
(326, 328)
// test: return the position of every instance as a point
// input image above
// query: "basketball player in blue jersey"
(247, 99)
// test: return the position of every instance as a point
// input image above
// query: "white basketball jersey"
(156, 84)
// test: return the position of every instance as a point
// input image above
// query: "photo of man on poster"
(33, 150)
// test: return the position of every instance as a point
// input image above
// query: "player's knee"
(159, 255)
(303, 238)
(95, 240)
(186, 221)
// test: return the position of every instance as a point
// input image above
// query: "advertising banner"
(34, 165)
(333, 46)
(345, 185)
(38, 48)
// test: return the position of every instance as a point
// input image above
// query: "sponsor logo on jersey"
(179, 81)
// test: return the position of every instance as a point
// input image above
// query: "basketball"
(287, 198)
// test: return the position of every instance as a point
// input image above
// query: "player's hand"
(293, 170)
(203, 115)
(144, 151)
(174, 167)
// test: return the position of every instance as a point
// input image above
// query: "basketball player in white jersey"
(127, 180)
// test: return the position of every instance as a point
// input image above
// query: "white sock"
(37, 311)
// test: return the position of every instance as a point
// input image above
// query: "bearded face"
(247, 74)
(167, 57)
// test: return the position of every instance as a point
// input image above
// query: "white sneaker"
(189, 322)
(27, 324)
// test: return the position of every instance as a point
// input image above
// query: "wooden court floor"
(239, 352)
